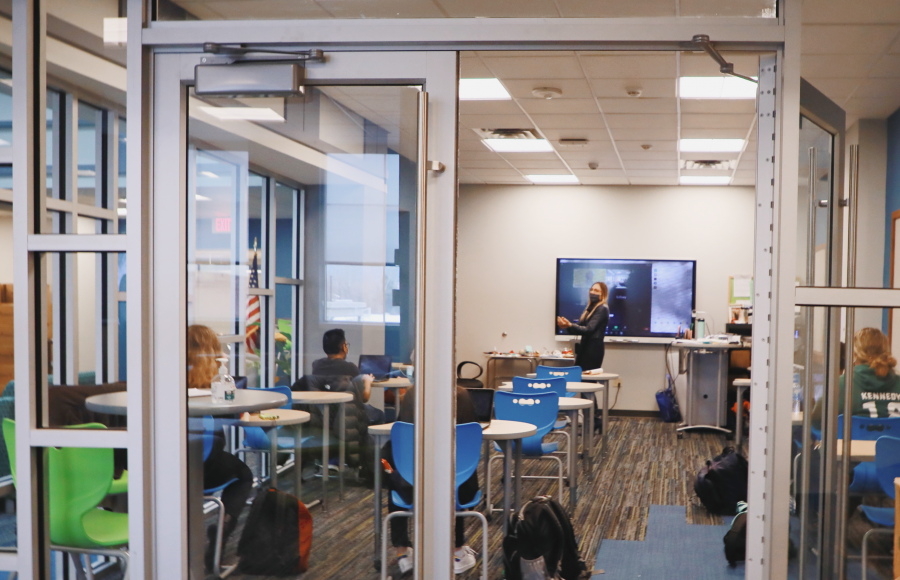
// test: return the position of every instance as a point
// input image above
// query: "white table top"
(244, 400)
(570, 387)
(797, 418)
(320, 397)
(587, 378)
(741, 382)
(571, 403)
(859, 450)
(504, 430)
(380, 430)
(285, 417)
(394, 383)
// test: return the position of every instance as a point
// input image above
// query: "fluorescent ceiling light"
(243, 113)
(115, 31)
(482, 90)
(209, 174)
(724, 87)
(552, 178)
(704, 180)
(519, 145)
(199, 197)
(712, 145)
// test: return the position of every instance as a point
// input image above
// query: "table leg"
(573, 464)
(507, 491)
(588, 439)
(326, 427)
(298, 476)
(518, 493)
(378, 470)
(273, 457)
(605, 417)
(342, 427)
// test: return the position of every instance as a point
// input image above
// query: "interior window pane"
(88, 153)
(287, 228)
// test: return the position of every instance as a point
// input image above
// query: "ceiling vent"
(573, 143)
(726, 165)
(507, 133)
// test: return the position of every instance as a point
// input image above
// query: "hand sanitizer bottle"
(222, 385)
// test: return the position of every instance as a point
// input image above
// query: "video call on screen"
(646, 297)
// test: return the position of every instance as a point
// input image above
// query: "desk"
(244, 401)
(284, 417)
(571, 407)
(380, 434)
(394, 384)
(504, 432)
(859, 450)
(707, 384)
(322, 399)
(741, 385)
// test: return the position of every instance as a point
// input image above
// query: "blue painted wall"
(892, 196)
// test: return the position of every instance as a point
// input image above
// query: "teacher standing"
(591, 326)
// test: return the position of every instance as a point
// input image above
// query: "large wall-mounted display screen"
(647, 298)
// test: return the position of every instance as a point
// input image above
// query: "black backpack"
(722, 483)
(277, 537)
(736, 538)
(542, 529)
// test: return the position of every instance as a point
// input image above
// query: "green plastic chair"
(79, 480)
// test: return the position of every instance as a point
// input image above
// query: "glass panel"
(54, 102)
(88, 153)
(351, 9)
(341, 165)
(814, 205)
(7, 362)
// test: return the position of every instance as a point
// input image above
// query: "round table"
(503, 432)
(571, 406)
(394, 384)
(284, 417)
(321, 399)
(244, 401)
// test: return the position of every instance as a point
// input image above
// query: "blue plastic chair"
(865, 479)
(887, 467)
(556, 384)
(209, 430)
(257, 441)
(539, 410)
(570, 374)
(469, 438)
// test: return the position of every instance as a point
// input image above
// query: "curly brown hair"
(871, 347)
(202, 349)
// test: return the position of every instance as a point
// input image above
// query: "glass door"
(296, 225)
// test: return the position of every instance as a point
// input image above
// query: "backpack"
(541, 544)
(736, 538)
(277, 536)
(669, 410)
(722, 482)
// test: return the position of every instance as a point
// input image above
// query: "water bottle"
(796, 395)
(222, 385)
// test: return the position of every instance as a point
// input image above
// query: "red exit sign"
(222, 225)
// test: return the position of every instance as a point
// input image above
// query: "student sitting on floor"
(464, 557)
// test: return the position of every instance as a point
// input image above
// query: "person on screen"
(876, 386)
(591, 326)
(220, 467)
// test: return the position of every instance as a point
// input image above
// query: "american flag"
(252, 326)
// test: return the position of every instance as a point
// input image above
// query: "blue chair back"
(286, 391)
(538, 409)
(869, 428)
(571, 374)
(887, 463)
(469, 437)
(403, 444)
(536, 386)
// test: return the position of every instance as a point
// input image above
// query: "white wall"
(510, 237)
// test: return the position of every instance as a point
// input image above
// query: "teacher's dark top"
(592, 332)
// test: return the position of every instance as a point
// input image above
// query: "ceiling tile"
(697, 121)
(482, 154)
(619, 88)
(641, 105)
(714, 133)
(630, 121)
(519, 121)
(473, 68)
(603, 157)
(489, 108)
(542, 67)
(649, 133)
(534, 156)
(571, 88)
(657, 164)
(496, 174)
(872, 108)
(629, 67)
(835, 66)
(591, 180)
(589, 134)
(546, 170)
(887, 66)
(657, 145)
(359, 9)
(836, 89)
(847, 38)
(594, 121)
(701, 156)
(271, 9)
(476, 145)
(616, 8)
(602, 163)
(524, 53)
(719, 172)
(718, 106)
(698, 64)
(652, 173)
(878, 88)
(484, 163)
(499, 9)
(743, 181)
(641, 155)
(559, 106)
(465, 177)
(858, 11)
(599, 173)
(753, 8)
(654, 180)
(529, 164)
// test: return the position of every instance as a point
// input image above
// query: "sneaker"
(465, 562)
(405, 562)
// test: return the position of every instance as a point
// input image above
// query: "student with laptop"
(335, 364)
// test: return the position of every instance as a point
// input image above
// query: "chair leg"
(561, 479)
(490, 506)
(865, 547)
(117, 553)
(794, 478)
(384, 535)
(484, 540)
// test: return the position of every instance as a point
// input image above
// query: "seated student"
(220, 467)
(876, 385)
(464, 557)
(335, 364)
